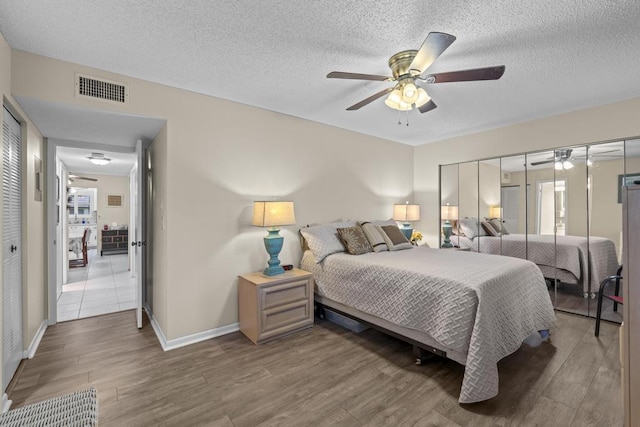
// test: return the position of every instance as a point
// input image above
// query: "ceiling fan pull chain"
(399, 122)
(407, 118)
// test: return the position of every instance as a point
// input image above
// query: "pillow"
(374, 236)
(354, 240)
(470, 227)
(488, 228)
(394, 238)
(498, 225)
(323, 239)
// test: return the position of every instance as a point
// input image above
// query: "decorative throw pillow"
(354, 240)
(374, 236)
(499, 226)
(470, 227)
(488, 228)
(394, 238)
(323, 239)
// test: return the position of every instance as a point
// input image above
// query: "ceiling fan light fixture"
(567, 164)
(423, 98)
(409, 93)
(394, 99)
(98, 159)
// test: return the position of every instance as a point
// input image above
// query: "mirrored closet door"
(558, 208)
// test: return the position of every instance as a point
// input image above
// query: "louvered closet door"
(11, 253)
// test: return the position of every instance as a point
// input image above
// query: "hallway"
(104, 286)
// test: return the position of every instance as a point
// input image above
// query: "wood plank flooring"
(323, 376)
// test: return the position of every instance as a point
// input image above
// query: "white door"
(139, 240)
(11, 253)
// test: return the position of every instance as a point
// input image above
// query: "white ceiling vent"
(101, 89)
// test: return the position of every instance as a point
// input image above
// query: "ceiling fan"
(409, 67)
(560, 157)
(86, 178)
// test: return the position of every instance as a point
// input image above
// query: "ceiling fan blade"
(369, 99)
(488, 73)
(357, 76)
(86, 179)
(597, 153)
(428, 106)
(431, 49)
(542, 162)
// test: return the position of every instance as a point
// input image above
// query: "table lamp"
(448, 212)
(406, 213)
(272, 215)
(495, 212)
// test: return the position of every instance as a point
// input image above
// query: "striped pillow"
(394, 238)
(374, 236)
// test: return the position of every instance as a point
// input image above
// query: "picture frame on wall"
(627, 179)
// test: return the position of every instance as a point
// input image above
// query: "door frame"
(53, 264)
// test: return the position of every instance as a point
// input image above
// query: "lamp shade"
(449, 212)
(495, 212)
(406, 212)
(273, 214)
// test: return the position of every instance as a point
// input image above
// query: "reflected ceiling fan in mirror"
(561, 159)
(409, 70)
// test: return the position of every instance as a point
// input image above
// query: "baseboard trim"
(33, 347)
(6, 403)
(189, 339)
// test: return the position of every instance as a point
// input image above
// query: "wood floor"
(322, 376)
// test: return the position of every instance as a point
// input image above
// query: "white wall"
(216, 158)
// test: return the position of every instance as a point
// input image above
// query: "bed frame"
(423, 345)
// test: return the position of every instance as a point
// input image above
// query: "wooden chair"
(615, 297)
(82, 262)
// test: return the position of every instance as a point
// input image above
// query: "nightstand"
(273, 306)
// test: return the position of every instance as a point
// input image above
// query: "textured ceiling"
(559, 55)
(75, 159)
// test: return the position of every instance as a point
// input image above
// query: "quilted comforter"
(480, 305)
(570, 253)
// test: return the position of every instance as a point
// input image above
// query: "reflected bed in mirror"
(560, 208)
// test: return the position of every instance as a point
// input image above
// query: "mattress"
(574, 255)
(477, 305)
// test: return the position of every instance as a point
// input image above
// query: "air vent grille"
(101, 89)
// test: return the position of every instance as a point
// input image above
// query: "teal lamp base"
(407, 230)
(446, 231)
(273, 244)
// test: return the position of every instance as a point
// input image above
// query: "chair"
(615, 297)
(81, 262)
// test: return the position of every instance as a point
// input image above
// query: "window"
(80, 203)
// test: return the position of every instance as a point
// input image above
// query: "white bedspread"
(574, 254)
(481, 305)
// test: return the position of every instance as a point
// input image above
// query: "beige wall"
(159, 267)
(220, 157)
(33, 230)
(608, 122)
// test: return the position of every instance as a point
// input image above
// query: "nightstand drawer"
(273, 296)
(285, 318)
(273, 306)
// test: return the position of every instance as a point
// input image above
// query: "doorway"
(94, 257)
(551, 207)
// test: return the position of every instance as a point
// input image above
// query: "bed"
(472, 308)
(565, 258)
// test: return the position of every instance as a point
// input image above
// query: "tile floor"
(104, 286)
